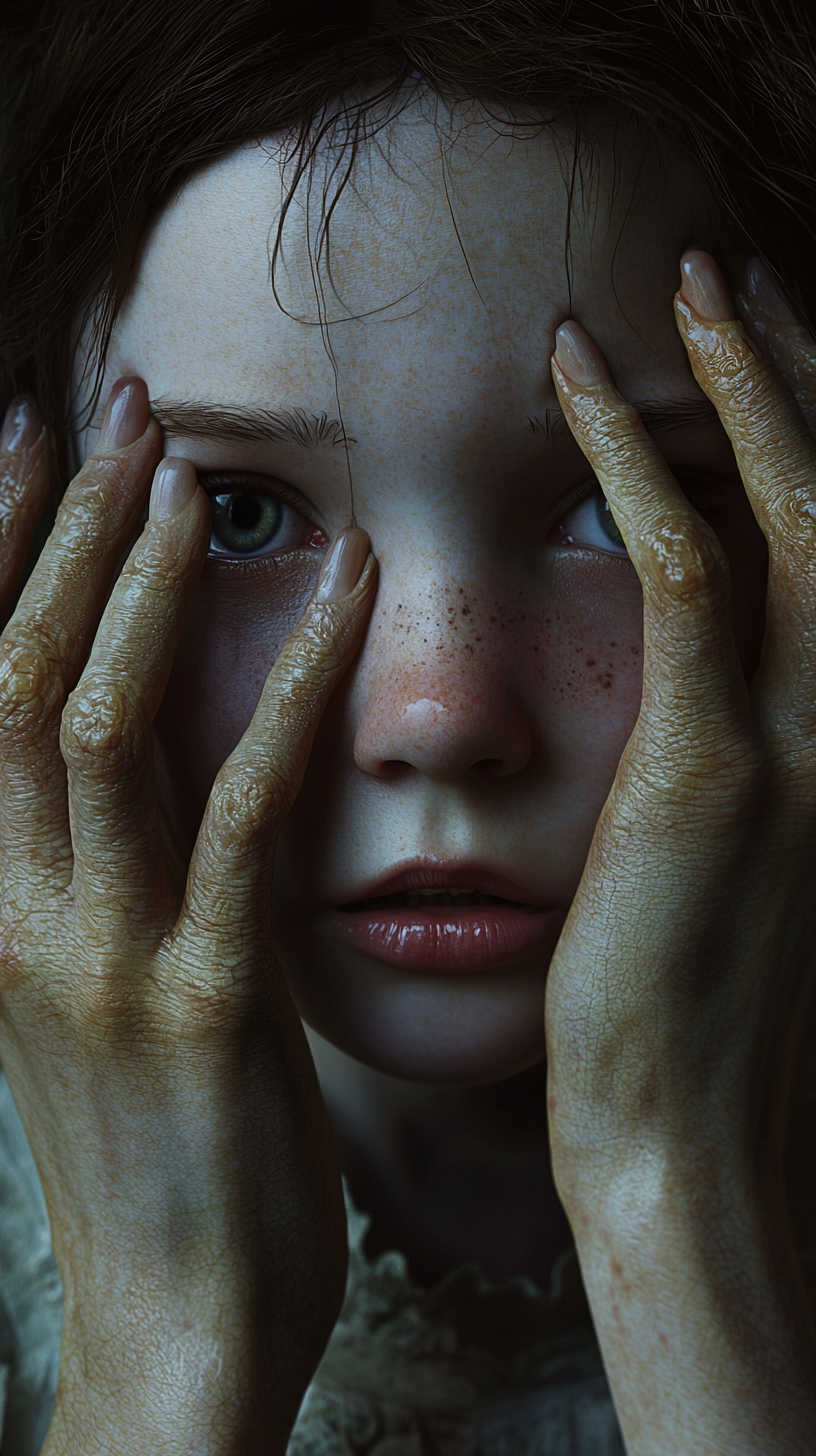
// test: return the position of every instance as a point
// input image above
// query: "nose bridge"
(436, 693)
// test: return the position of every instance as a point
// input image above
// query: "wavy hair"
(108, 104)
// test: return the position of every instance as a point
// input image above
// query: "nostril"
(394, 768)
(492, 767)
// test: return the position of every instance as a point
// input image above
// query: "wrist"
(147, 1367)
(699, 1308)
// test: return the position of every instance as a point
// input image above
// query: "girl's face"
(442, 827)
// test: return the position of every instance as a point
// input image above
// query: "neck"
(448, 1174)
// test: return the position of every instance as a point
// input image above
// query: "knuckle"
(796, 521)
(163, 556)
(100, 731)
(95, 488)
(687, 562)
(31, 685)
(318, 650)
(245, 806)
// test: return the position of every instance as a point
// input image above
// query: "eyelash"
(215, 482)
(228, 483)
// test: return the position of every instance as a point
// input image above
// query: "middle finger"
(48, 638)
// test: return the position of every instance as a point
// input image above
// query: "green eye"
(245, 520)
(606, 521)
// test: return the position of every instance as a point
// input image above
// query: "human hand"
(675, 997)
(157, 1061)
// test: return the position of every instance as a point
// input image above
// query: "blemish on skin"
(590, 662)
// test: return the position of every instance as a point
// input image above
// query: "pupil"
(245, 512)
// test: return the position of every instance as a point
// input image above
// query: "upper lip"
(439, 877)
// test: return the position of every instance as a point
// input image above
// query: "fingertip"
(759, 293)
(127, 414)
(23, 425)
(174, 486)
(578, 356)
(345, 565)
(703, 287)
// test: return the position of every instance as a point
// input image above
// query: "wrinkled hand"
(676, 995)
(157, 1061)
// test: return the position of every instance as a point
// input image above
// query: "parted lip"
(438, 877)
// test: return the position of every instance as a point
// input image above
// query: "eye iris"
(245, 521)
(607, 522)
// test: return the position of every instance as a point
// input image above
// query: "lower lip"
(474, 938)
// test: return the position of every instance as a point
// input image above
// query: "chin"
(467, 1029)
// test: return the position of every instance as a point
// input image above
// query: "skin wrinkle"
(456, 493)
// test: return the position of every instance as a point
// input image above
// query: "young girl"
(428, 624)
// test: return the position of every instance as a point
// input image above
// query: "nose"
(444, 725)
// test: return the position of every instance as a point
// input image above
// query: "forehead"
(453, 251)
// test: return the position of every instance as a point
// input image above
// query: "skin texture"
(196, 1170)
(500, 676)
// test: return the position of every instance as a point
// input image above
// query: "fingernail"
(704, 289)
(760, 291)
(174, 485)
(22, 426)
(578, 356)
(343, 566)
(126, 415)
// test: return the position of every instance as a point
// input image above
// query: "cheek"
(239, 620)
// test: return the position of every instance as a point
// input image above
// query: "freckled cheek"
(238, 622)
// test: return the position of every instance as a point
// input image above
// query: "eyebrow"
(297, 426)
(310, 431)
(658, 415)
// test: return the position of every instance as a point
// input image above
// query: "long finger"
(49, 636)
(776, 456)
(119, 872)
(230, 882)
(26, 479)
(693, 693)
(780, 335)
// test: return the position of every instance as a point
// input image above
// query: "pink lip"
(446, 938)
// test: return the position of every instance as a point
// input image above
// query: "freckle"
(617, 1268)
(613, 644)
(523, 619)
(478, 639)
(590, 662)
(492, 619)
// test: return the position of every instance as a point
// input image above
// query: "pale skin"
(196, 1166)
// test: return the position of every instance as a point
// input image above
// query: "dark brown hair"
(108, 104)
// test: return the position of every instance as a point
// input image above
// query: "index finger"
(776, 457)
(25, 483)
